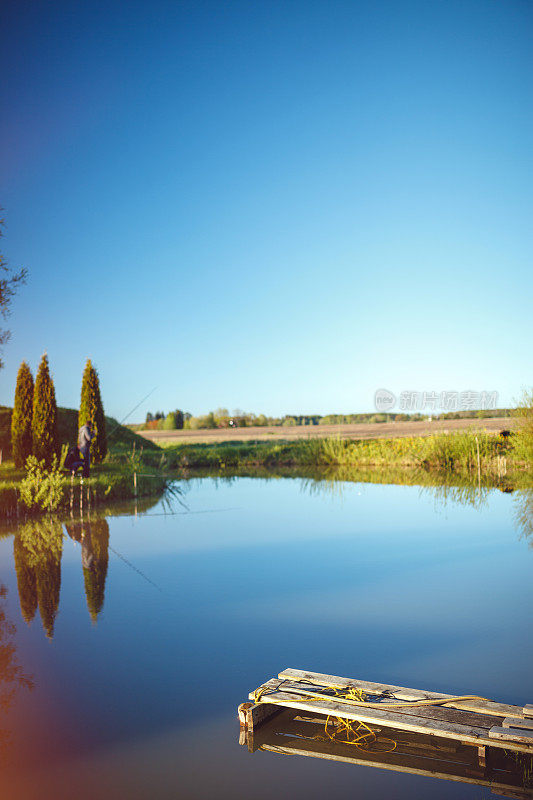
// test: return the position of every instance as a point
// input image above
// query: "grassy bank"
(459, 453)
(110, 482)
(463, 458)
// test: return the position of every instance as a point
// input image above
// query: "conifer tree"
(91, 409)
(95, 577)
(21, 419)
(41, 548)
(48, 578)
(44, 422)
(26, 580)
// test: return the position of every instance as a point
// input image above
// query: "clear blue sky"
(277, 206)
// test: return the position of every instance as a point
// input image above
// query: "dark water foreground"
(127, 642)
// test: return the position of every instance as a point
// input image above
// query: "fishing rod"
(135, 569)
(115, 429)
(125, 560)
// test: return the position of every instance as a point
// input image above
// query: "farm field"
(387, 430)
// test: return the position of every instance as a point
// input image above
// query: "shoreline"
(470, 458)
(465, 452)
(110, 484)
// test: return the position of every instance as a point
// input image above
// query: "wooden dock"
(467, 719)
(296, 733)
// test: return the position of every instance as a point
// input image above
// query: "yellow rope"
(348, 694)
(338, 729)
(344, 731)
(402, 704)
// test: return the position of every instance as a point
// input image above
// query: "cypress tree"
(44, 422)
(48, 580)
(21, 419)
(41, 543)
(26, 580)
(95, 576)
(91, 409)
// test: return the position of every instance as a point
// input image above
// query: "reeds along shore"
(467, 458)
(463, 453)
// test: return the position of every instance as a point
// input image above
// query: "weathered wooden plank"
(294, 689)
(512, 735)
(423, 744)
(507, 783)
(402, 693)
(251, 715)
(396, 758)
(370, 714)
(421, 752)
(527, 711)
(465, 733)
(292, 733)
(516, 793)
(461, 716)
(368, 762)
(516, 722)
(291, 723)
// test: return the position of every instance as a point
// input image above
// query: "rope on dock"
(346, 698)
(353, 732)
(344, 730)
(341, 730)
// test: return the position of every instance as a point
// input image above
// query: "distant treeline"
(221, 418)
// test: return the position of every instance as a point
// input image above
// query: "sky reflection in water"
(147, 632)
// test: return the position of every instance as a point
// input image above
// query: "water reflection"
(38, 543)
(37, 550)
(523, 514)
(446, 489)
(12, 676)
(94, 539)
(38, 547)
(294, 733)
(373, 583)
(329, 479)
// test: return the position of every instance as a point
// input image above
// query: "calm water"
(141, 635)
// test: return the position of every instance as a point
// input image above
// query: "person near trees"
(85, 436)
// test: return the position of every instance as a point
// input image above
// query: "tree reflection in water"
(12, 676)
(38, 544)
(93, 535)
(38, 548)
(523, 514)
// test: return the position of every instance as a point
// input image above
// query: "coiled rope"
(353, 732)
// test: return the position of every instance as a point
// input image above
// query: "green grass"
(110, 481)
(440, 459)
(443, 452)
(457, 450)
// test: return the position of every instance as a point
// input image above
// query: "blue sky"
(277, 206)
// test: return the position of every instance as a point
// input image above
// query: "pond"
(129, 641)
